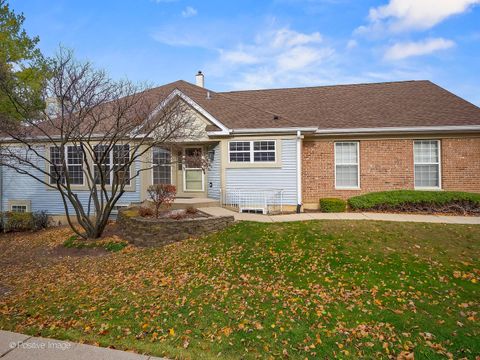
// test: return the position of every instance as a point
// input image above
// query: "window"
(239, 151)
(112, 162)
(102, 158)
(346, 165)
(18, 208)
(193, 176)
(74, 162)
(426, 155)
(264, 151)
(120, 162)
(162, 166)
(252, 151)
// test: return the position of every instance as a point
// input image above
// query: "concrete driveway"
(14, 346)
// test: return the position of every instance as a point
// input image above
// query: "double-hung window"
(239, 151)
(347, 165)
(73, 156)
(112, 162)
(120, 163)
(264, 151)
(426, 155)
(162, 166)
(252, 151)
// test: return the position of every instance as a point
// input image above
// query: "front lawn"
(318, 289)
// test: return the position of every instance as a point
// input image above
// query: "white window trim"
(357, 143)
(252, 152)
(184, 171)
(439, 163)
(171, 166)
(66, 162)
(26, 203)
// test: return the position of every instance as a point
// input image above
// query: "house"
(287, 148)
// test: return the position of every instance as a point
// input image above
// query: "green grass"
(113, 246)
(320, 289)
(401, 197)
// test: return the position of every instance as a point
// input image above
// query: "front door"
(193, 176)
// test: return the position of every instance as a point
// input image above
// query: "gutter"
(299, 171)
(1, 197)
(272, 130)
(397, 130)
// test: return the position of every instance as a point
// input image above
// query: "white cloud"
(189, 12)
(404, 15)
(238, 57)
(352, 44)
(300, 58)
(405, 50)
(274, 58)
(288, 38)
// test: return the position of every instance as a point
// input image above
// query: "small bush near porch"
(329, 289)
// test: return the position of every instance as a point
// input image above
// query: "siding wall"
(258, 179)
(23, 187)
(214, 173)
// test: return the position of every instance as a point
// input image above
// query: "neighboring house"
(295, 146)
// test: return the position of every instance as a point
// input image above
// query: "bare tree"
(94, 142)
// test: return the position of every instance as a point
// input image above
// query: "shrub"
(18, 221)
(162, 194)
(177, 216)
(191, 210)
(418, 201)
(145, 211)
(332, 205)
(40, 220)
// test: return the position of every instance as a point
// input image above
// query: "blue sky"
(266, 44)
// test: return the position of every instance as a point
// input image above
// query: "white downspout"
(299, 171)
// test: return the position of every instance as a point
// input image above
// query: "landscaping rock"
(151, 232)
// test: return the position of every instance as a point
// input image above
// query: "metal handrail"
(268, 201)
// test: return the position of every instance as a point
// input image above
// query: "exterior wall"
(387, 164)
(282, 175)
(461, 164)
(23, 187)
(213, 174)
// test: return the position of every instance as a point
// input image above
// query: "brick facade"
(387, 164)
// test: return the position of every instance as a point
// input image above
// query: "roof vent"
(209, 96)
(200, 79)
(276, 117)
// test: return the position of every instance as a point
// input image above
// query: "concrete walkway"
(217, 211)
(14, 346)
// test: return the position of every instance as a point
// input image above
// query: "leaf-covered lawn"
(296, 290)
